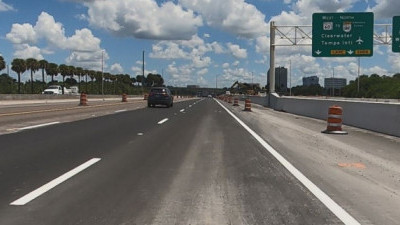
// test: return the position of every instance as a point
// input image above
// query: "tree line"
(113, 83)
(373, 86)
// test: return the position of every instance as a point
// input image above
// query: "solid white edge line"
(37, 126)
(122, 110)
(163, 121)
(45, 188)
(336, 209)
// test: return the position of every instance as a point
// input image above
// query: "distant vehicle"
(74, 90)
(227, 92)
(160, 96)
(57, 90)
(53, 90)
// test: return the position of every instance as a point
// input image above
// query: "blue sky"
(191, 42)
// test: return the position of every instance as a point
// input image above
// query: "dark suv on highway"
(160, 96)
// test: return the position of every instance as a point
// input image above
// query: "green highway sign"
(396, 34)
(342, 34)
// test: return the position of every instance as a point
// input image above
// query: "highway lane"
(198, 167)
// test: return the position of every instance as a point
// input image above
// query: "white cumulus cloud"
(236, 51)
(235, 16)
(84, 46)
(25, 51)
(22, 34)
(5, 7)
(144, 19)
(386, 8)
(308, 7)
(116, 68)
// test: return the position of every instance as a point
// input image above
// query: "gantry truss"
(301, 35)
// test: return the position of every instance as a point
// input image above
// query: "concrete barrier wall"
(259, 100)
(5, 97)
(379, 117)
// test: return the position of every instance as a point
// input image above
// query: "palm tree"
(33, 65)
(2, 63)
(113, 78)
(64, 71)
(18, 66)
(79, 73)
(92, 75)
(52, 70)
(99, 78)
(71, 71)
(86, 74)
(42, 65)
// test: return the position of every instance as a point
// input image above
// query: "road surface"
(196, 164)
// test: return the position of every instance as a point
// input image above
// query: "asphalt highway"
(195, 163)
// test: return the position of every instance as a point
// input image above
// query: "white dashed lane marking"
(45, 188)
(163, 121)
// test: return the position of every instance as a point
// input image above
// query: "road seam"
(45, 188)
(336, 209)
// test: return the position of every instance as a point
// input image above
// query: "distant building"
(308, 81)
(280, 79)
(193, 86)
(336, 83)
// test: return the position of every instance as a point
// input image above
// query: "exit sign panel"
(396, 34)
(342, 34)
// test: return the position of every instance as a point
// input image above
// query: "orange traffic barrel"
(334, 125)
(247, 105)
(236, 102)
(146, 96)
(124, 98)
(83, 99)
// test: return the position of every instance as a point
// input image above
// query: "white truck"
(57, 90)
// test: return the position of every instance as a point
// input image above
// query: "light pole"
(216, 84)
(290, 77)
(142, 71)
